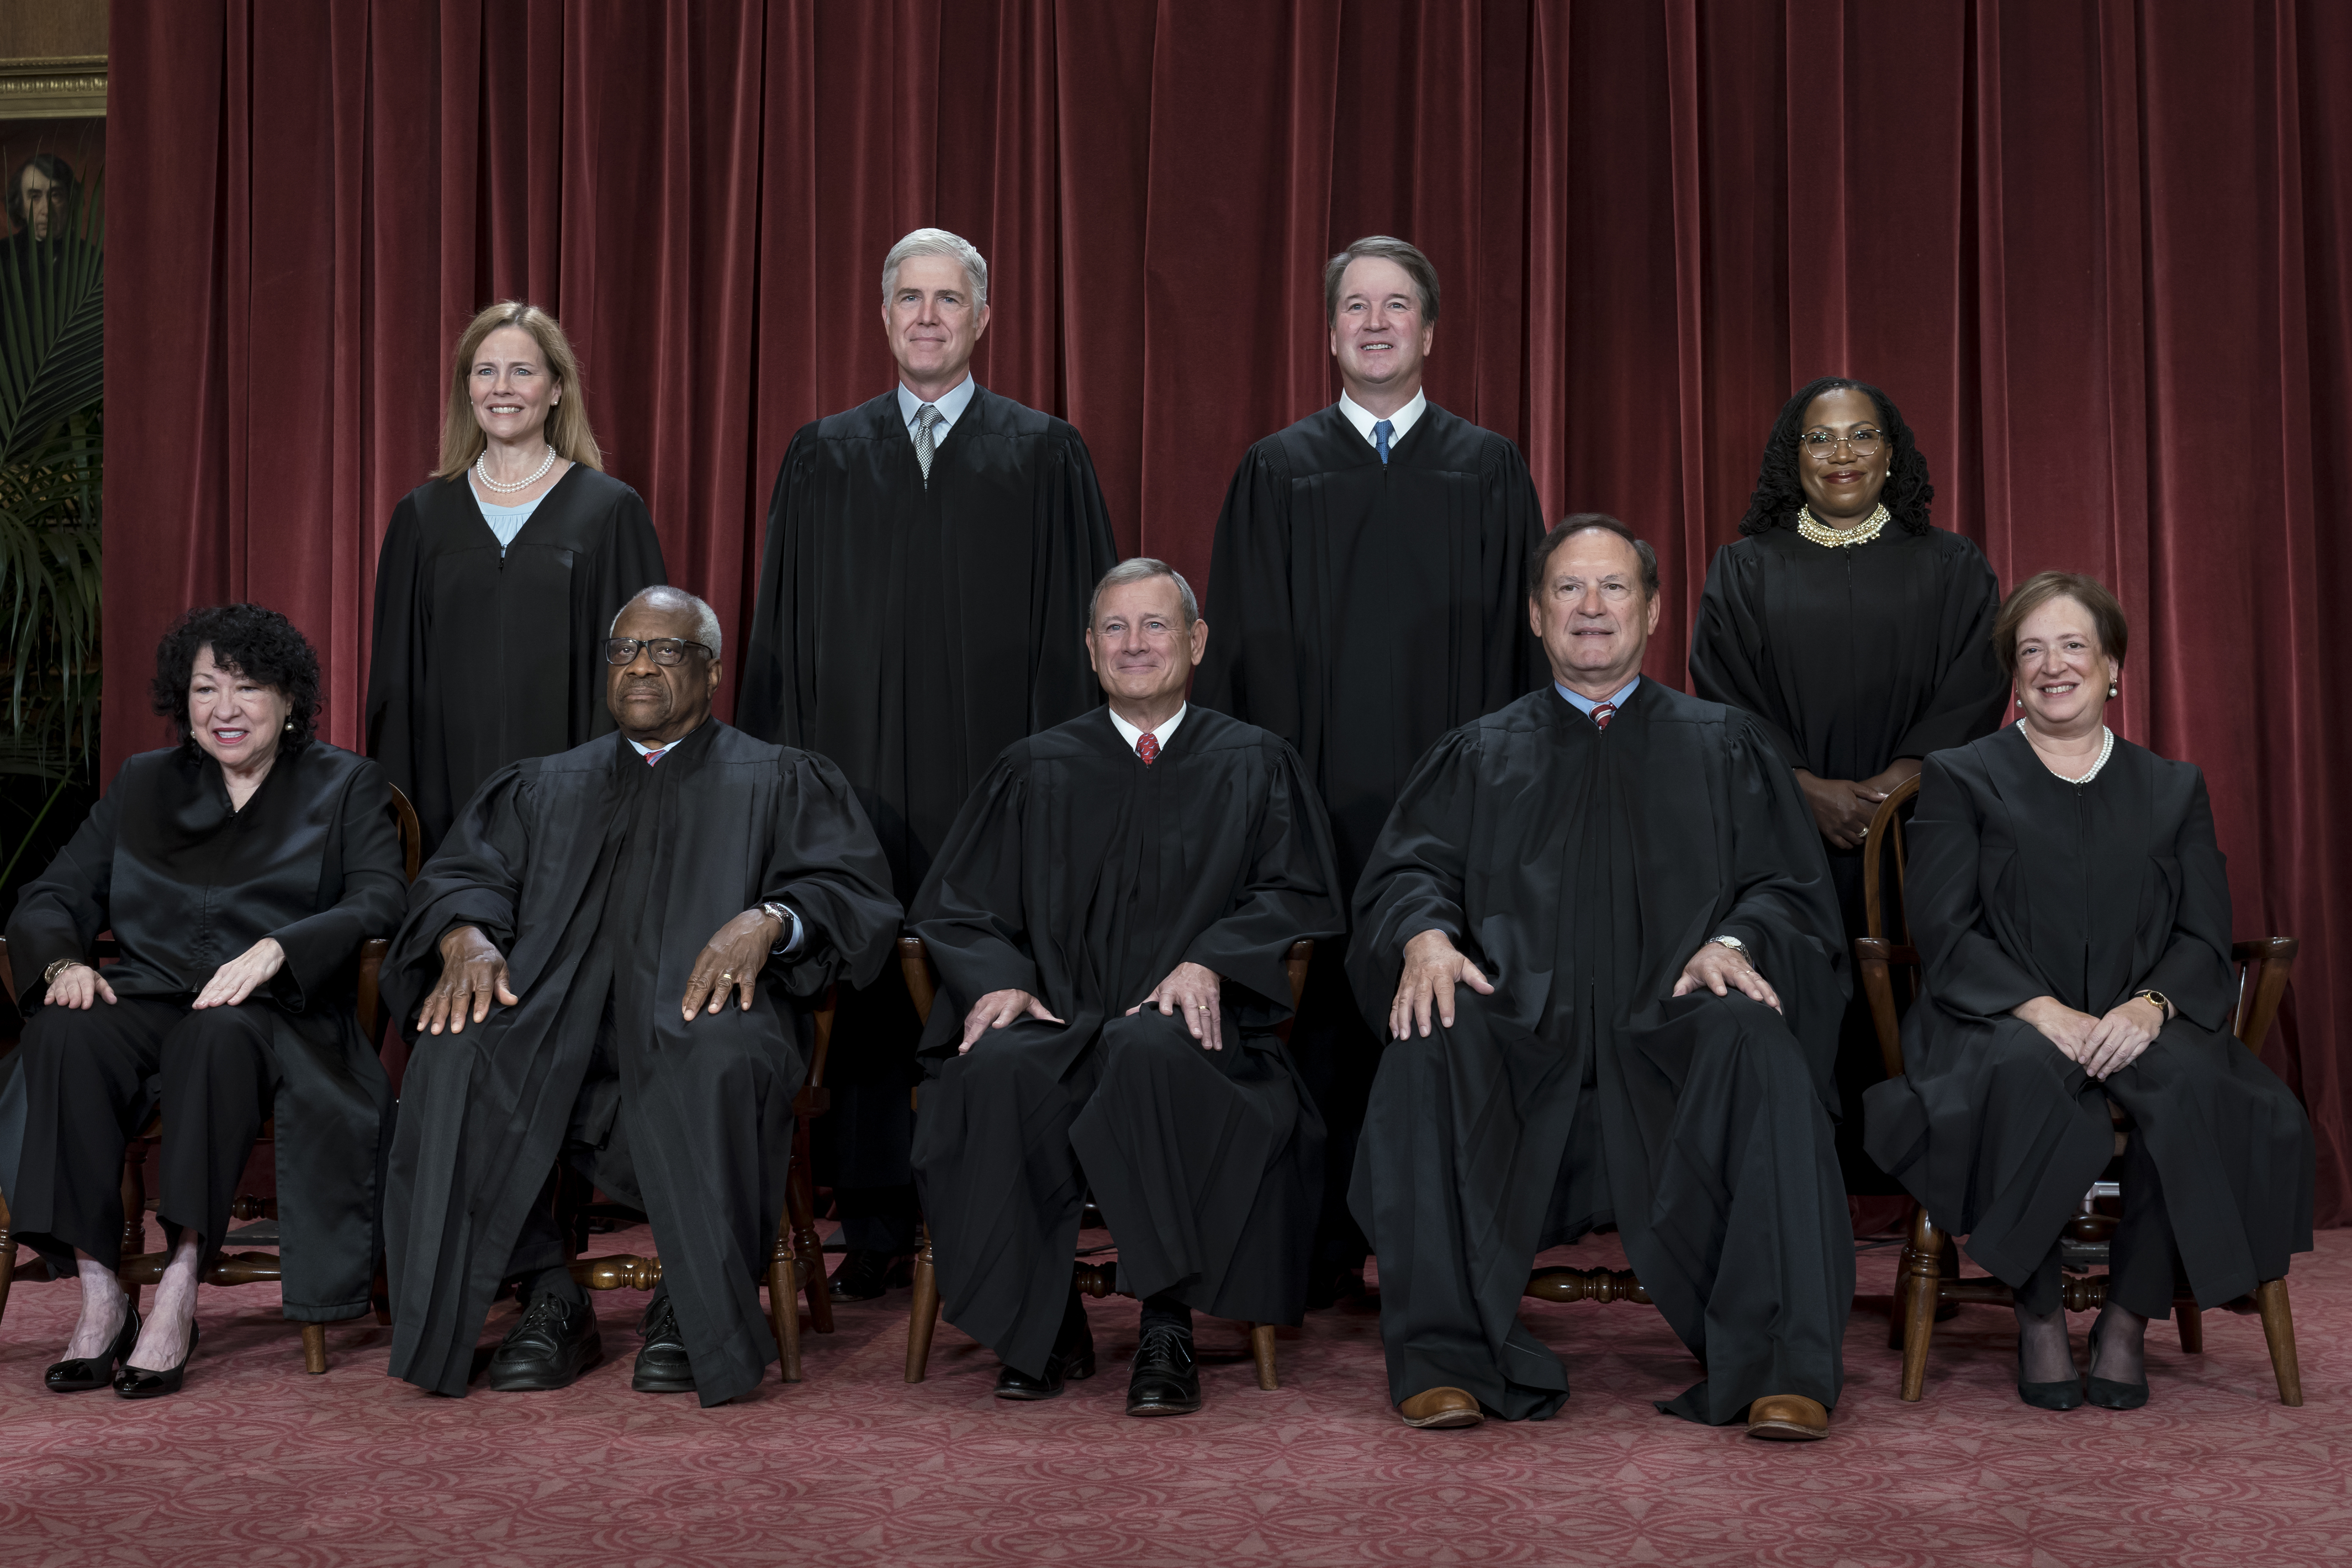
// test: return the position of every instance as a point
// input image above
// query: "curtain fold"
(2097, 252)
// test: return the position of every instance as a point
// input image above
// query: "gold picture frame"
(71, 87)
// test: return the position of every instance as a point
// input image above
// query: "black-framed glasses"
(665, 651)
(1865, 442)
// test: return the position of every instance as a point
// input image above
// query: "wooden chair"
(797, 1259)
(1096, 1280)
(246, 1268)
(1928, 1282)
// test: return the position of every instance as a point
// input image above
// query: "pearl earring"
(2111, 687)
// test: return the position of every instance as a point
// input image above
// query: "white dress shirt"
(1402, 420)
(951, 405)
(1131, 734)
(1585, 705)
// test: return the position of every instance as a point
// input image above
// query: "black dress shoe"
(662, 1364)
(137, 1383)
(554, 1343)
(84, 1374)
(2065, 1395)
(1072, 1361)
(865, 1275)
(2108, 1393)
(1166, 1381)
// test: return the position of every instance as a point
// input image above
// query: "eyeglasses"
(665, 651)
(1821, 443)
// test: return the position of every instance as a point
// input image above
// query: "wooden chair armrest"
(1293, 964)
(1874, 959)
(922, 981)
(372, 957)
(2270, 962)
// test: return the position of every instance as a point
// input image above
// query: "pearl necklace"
(1836, 538)
(2107, 749)
(536, 474)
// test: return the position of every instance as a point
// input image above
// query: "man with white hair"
(927, 561)
(609, 963)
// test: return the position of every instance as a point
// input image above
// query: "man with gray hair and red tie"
(927, 552)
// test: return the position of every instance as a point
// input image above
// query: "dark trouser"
(862, 1147)
(1198, 1159)
(91, 1080)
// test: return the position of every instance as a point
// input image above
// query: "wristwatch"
(1734, 943)
(785, 925)
(49, 975)
(2163, 1003)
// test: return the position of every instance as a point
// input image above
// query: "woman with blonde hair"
(501, 574)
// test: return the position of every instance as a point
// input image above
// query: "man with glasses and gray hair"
(1366, 587)
(927, 552)
(609, 966)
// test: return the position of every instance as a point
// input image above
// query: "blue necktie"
(1380, 434)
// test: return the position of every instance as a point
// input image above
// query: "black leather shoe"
(554, 1343)
(137, 1383)
(662, 1364)
(2065, 1395)
(865, 1275)
(1166, 1381)
(1072, 1361)
(84, 1374)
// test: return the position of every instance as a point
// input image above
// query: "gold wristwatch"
(2163, 1003)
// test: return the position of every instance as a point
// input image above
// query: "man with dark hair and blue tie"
(1366, 588)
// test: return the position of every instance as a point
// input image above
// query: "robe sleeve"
(2195, 971)
(1968, 970)
(1416, 876)
(827, 866)
(767, 703)
(396, 651)
(61, 912)
(1250, 670)
(473, 878)
(372, 888)
(971, 912)
(1076, 548)
(1726, 656)
(1292, 894)
(630, 561)
(1514, 660)
(1971, 696)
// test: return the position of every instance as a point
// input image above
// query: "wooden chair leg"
(923, 1314)
(1261, 1352)
(2278, 1331)
(785, 1310)
(2192, 1327)
(314, 1348)
(1921, 1272)
(800, 1213)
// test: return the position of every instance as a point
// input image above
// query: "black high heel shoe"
(2062, 1395)
(137, 1383)
(2109, 1394)
(87, 1373)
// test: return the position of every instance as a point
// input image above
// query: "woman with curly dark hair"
(240, 872)
(1860, 634)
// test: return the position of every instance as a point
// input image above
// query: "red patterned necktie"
(1148, 748)
(653, 757)
(1602, 714)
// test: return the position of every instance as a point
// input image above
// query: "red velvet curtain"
(2098, 252)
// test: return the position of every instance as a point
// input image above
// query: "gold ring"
(726, 974)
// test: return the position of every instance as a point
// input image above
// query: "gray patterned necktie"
(926, 446)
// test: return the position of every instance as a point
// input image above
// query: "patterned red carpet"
(256, 1463)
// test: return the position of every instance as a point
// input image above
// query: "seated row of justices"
(1596, 1017)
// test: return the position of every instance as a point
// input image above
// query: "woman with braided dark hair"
(1860, 634)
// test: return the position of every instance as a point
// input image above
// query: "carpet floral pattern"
(256, 1463)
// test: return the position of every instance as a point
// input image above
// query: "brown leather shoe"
(1441, 1407)
(1788, 1418)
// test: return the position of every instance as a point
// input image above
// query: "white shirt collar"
(1402, 420)
(1131, 734)
(950, 405)
(646, 750)
(1585, 705)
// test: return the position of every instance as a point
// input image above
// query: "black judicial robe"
(1579, 868)
(1081, 875)
(1359, 611)
(2022, 885)
(601, 879)
(186, 883)
(1851, 657)
(481, 659)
